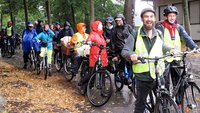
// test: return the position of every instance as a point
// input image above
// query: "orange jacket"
(79, 27)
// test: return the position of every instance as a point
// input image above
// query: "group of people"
(151, 41)
(126, 45)
(9, 34)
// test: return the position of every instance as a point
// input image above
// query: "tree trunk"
(91, 11)
(48, 11)
(26, 12)
(11, 13)
(129, 7)
(73, 17)
(1, 19)
(186, 16)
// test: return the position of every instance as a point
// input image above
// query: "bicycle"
(189, 90)
(58, 58)
(42, 65)
(163, 102)
(99, 88)
(6, 50)
(125, 78)
(32, 58)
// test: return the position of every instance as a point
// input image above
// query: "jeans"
(143, 89)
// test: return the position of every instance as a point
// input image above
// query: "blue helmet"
(30, 24)
(109, 19)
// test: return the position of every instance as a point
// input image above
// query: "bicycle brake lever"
(141, 59)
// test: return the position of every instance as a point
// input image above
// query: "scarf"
(170, 27)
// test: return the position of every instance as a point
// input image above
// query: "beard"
(149, 26)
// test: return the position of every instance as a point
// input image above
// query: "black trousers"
(77, 60)
(26, 57)
(143, 89)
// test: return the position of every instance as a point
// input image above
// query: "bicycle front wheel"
(9, 51)
(165, 104)
(58, 61)
(191, 99)
(33, 59)
(119, 81)
(99, 89)
(67, 68)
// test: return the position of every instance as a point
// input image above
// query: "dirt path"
(24, 91)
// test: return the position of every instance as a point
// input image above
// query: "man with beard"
(146, 42)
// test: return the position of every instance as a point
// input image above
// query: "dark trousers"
(143, 89)
(175, 76)
(77, 60)
(26, 57)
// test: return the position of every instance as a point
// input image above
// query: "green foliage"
(74, 11)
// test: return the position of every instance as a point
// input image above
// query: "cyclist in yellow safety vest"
(173, 33)
(146, 42)
(75, 41)
(10, 34)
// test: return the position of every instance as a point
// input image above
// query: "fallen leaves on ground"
(26, 91)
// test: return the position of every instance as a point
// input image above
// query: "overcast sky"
(138, 8)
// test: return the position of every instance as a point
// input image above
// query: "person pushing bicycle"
(146, 42)
(45, 38)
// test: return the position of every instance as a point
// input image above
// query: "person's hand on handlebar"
(174, 51)
(134, 58)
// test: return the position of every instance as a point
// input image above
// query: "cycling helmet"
(29, 24)
(119, 17)
(109, 19)
(67, 23)
(170, 9)
(9, 23)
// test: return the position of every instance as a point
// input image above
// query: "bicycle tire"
(67, 72)
(33, 59)
(3, 54)
(119, 83)
(9, 52)
(165, 104)
(133, 89)
(84, 77)
(45, 68)
(105, 88)
(58, 61)
(191, 98)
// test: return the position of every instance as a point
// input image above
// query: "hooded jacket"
(97, 37)
(75, 37)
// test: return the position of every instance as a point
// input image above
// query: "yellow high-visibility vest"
(156, 51)
(9, 31)
(176, 43)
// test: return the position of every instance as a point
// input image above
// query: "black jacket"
(120, 34)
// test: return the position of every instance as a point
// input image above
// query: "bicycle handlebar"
(142, 59)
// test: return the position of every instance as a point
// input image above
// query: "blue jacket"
(46, 37)
(28, 39)
(183, 34)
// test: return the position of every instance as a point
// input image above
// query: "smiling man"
(146, 42)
